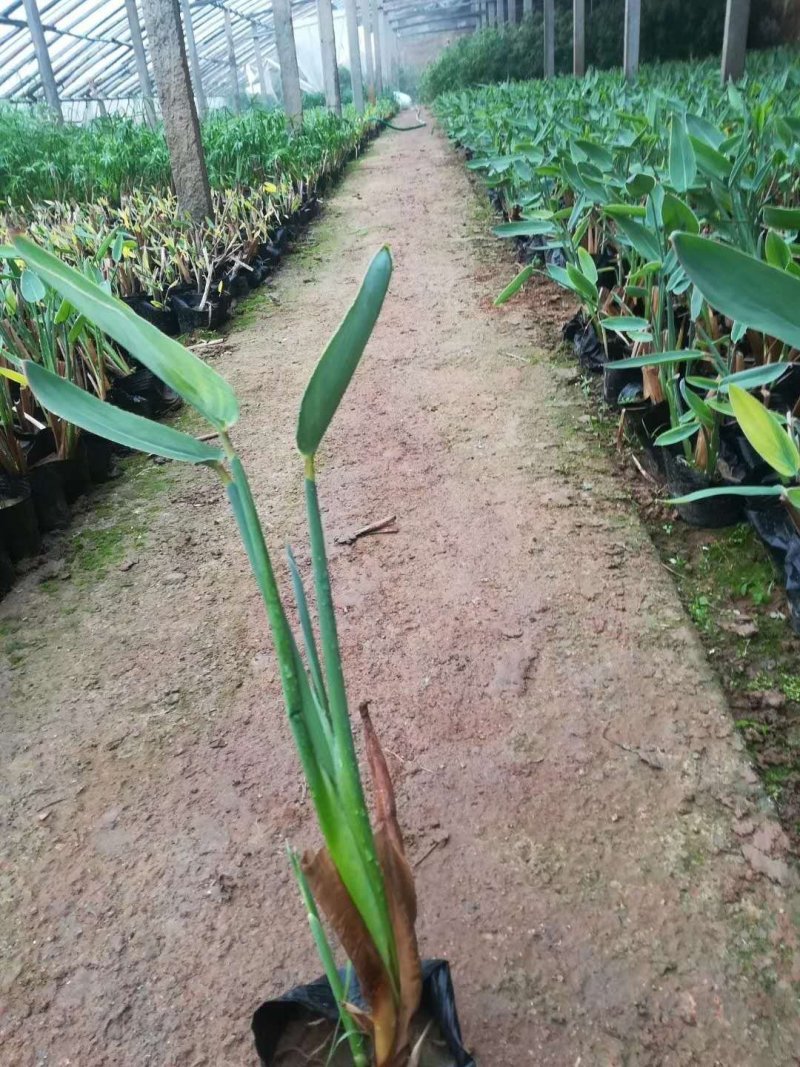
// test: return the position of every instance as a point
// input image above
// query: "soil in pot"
(300, 1028)
(710, 514)
(19, 529)
(49, 501)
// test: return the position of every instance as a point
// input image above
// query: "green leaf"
(624, 323)
(682, 160)
(742, 287)
(677, 434)
(31, 287)
(515, 285)
(765, 433)
(338, 362)
(583, 285)
(641, 239)
(588, 266)
(192, 379)
(776, 251)
(711, 162)
(659, 359)
(754, 377)
(677, 215)
(524, 228)
(701, 411)
(729, 490)
(782, 218)
(83, 409)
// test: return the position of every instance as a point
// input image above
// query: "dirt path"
(594, 855)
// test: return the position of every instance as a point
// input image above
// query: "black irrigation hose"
(404, 129)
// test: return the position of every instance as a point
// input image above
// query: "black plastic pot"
(143, 393)
(160, 315)
(7, 572)
(238, 285)
(19, 530)
(99, 457)
(774, 526)
(311, 1004)
(192, 317)
(616, 378)
(47, 489)
(75, 475)
(709, 514)
(785, 393)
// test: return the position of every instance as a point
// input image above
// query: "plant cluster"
(671, 209)
(672, 30)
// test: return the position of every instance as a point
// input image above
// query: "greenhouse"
(400, 532)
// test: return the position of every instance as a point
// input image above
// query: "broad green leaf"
(742, 287)
(588, 266)
(677, 434)
(765, 433)
(31, 287)
(632, 211)
(642, 240)
(338, 362)
(625, 323)
(701, 411)
(754, 377)
(583, 285)
(96, 416)
(711, 162)
(524, 228)
(682, 160)
(515, 285)
(13, 375)
(677, 215)
(192, 379)
(782, 218)
(776, 251)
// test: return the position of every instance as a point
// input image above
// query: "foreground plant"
(360, 879)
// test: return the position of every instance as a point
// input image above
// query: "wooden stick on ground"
(374, 527)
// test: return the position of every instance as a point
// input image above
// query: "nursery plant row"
(670, 208)
(139, 246)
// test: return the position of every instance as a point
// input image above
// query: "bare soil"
(594, 853)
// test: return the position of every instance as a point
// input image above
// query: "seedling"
(360, 878)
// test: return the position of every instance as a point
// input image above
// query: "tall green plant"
(361, 877)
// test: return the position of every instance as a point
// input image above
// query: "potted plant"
(387, 1005)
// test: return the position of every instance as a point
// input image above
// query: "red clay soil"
(594, 855)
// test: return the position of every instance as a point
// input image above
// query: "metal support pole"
(633, 25)
(194, 60)
(264, 82)
(734, 45)
(327, 44)
(527, 9)
(354, 48)
(233, 70)
(142, 72)
(512, 12)
(386, 50)
(579, 38)
(181, 127)
(287, 56)
(43, 59)
(376, 38)
(368, 53)
(549, 39)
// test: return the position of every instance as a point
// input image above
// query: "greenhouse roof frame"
(92, 52)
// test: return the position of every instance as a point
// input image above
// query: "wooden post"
(549, 39)
(368, 54)
(264, 83)
(579, 38)
(354, 48)
(376, 42)
(527, 9)
(327, 44)
(287, 57)
(43, 59)
(233, 70)
(181, 127)
(734, 45)
(386, 45)
(142, 73)
(633, 26)
(194, 60)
